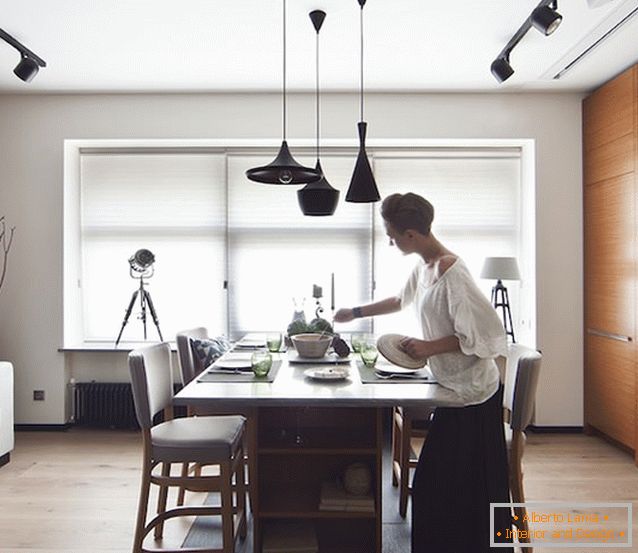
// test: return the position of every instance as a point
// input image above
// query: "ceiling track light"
(29, 63)
(544, 18)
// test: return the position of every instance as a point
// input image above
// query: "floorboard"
(76, 491)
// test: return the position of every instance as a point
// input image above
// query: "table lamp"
(502, 268)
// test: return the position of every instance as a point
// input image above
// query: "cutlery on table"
(387, 376)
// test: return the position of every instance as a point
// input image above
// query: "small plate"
(232, 364)
(391, 369)
(249, 344)
(328, 359)
(327, 373)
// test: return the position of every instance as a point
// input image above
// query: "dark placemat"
(368, 376)
(240, 376)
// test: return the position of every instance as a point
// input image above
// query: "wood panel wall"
(610, 190)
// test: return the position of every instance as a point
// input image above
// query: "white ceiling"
(236, 45)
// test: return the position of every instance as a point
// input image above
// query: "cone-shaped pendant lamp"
(363, 188)
(318, 198)
(284, 169)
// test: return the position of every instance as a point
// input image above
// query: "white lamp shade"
(501, 268)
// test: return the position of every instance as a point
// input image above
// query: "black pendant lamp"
(363, 188)
(318, 198)
(284, 169)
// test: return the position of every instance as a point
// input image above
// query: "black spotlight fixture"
(318, 198)
(29, 63)
(545, 18)
(501, 69)
(363, 188)
(284, 169)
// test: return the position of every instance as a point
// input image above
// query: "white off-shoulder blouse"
(454, 305)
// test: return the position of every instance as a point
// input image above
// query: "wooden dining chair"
(207, 440)
(408, 424)
(521, 381)
(189, 369)
(409, 431)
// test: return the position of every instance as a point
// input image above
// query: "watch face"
(389, 345)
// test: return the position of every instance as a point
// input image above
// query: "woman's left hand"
(415, 348)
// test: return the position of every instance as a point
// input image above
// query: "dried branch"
(6, 246)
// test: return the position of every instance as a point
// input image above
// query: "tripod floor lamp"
(502, 268)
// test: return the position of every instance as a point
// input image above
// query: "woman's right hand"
(343, 315)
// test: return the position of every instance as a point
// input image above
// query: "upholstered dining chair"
(189, 369)
(207, 440)
(187, 362)
(521, 381)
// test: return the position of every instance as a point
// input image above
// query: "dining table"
(309, 433)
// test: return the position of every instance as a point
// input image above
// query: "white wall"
(31, 170)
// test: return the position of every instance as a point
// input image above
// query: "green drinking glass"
(369, 354)
(356, 339)
(261, 362)
(273, 342)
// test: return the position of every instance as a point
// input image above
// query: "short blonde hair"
(408, 211)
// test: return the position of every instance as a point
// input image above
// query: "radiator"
(108, 405)
(104, 404)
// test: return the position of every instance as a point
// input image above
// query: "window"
(173, 204)
(476, 199)
(234, 256)
(276, 254)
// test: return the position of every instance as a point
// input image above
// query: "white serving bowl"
(313, 345)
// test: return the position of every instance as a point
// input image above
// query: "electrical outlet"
(38, 395)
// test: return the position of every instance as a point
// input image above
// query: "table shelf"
(290, 475)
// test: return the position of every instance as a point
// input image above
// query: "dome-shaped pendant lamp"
(363, 188)
(284, 169)
(318, 198)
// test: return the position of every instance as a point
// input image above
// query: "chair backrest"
(151, 381)
(521, 381)
(185, 352)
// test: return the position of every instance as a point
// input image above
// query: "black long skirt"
(462, 469)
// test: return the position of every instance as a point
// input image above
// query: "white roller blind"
(476, 198)
(207, 224)
(173, 204)
(277, 254)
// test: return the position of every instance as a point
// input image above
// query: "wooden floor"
(76, 491)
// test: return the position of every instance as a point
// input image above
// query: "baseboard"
(5, 459)
(41, 427)
(556, 429)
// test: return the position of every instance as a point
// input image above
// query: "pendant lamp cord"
(284, 75)
(317, 91)
(361, 79)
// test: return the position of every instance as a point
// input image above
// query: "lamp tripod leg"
(127, 315)
(147, 295)
(143, 307)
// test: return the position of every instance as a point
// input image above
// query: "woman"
(463, 464)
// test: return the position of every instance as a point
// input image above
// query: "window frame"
(72, 297)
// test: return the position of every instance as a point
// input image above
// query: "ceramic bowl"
(313, 345)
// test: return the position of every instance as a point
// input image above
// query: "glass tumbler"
(357, 339)
(273, 342)
(260, 362)
(369, 354)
